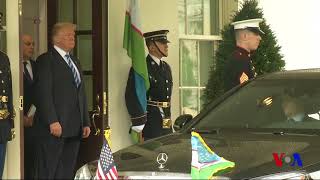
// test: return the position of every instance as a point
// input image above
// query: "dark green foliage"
(266, 59)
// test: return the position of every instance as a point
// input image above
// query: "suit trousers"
(56, 157)
(3, 148)
(29, 153)
(153, 127)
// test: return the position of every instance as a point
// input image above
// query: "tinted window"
(277, 103)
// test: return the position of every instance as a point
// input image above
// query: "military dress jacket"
(160, 77)
(160, 90)
(6, 101)
(238, 68)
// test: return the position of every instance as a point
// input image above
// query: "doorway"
(91, 38)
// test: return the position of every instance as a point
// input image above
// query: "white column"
(12, 164)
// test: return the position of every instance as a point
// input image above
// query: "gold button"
(4, 98)
(166, 123)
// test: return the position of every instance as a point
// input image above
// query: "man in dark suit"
(29, 72)
(61, 105)
(158, 116)
(239, 67)
(6, 107)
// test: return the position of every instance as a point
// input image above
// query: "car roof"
(294, 74)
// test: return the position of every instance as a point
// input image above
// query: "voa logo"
(281, 158)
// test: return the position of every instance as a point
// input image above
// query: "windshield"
(265, 103)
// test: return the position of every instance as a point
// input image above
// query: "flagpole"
(1, 29)
(107, 135)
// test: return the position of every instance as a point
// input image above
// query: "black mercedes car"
(269, 127)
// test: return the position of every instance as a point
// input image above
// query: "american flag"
(106, 167)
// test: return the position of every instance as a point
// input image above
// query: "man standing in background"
(61, 105)
(29, 72)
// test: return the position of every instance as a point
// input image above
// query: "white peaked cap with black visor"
(249, 24)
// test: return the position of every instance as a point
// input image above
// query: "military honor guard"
(158, 115)
(239, 68)
(6, 107)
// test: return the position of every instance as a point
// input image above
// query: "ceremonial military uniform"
(6, 107)
(156, 121)
(238, 68)
(158, 98)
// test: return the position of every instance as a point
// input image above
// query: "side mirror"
(181, 121)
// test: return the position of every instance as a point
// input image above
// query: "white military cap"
(250, 24)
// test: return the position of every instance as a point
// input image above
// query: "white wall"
(154, 15)
(34, 23)
(296, 26)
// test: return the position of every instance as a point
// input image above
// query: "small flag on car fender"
(205, 163)
(106, 166)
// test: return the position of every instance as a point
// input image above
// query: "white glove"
(138, 128)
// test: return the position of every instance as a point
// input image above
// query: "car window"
(269, 103)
